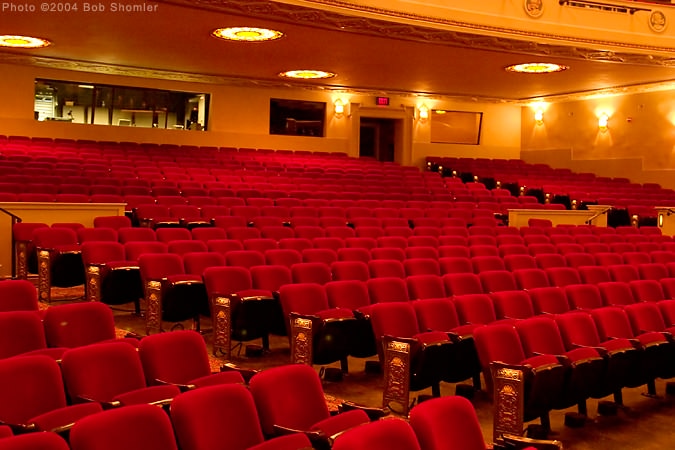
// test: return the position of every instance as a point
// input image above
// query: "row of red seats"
(243, 416)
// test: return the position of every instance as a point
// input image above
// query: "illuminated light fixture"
(539, 117)
(247, 34)
(307, 74)
(536, 68)
(23, 42)
(339, 108)
(440, 111)
(423, 112)
(603, 121)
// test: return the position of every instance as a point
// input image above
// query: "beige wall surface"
(639, 142)
(240, 118)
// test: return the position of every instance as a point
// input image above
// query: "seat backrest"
(101, 371)
(244, 258)
(205, 418)
(462, 284)
(349, 294)
(54, 237)
(616, 293)
(475, 309)
(647, 290)
(135, 249)
(447, 423)
(145, 427)
(196, 262)
(35, 441)
(77, 324)
(386, 268)
(156, 266)
(549, 300)
(422, 266)
(497, 280)
(436, 314)
(394, 434)
(645, 316)
(129, 234)
(283, 256)
(29, 386)
(396, 319)
(302, 298)
(563, 276)
(387, 289)
(290, 396)
(512, 304)
(18, 295)
(531, 278)
(174, 357)
(498, 342)
(102, 252)
(584, 296)
(226, 280)
(168, 234)
(425, 286)
(20, 332)
(612, 322)
(270, 277)
(594, 274)
(311, 272)
(350, 270)
(88, 234)
(540, 335)
(577, 328)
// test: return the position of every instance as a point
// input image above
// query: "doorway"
(378, 138)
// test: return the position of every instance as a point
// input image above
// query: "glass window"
(119, 105)
(296, 117)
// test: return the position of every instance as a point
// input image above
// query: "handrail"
(15, 219)
(603, 5)
(590, 220)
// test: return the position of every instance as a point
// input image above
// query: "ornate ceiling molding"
(500, 38)
(318, 18)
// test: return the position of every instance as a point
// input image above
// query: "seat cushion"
(341, 422)
(65, 416)
(150, 394)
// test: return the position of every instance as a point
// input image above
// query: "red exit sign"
(382, 101)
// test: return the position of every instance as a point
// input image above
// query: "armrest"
(105, 405)
(246, 373)
(373, 413)
(20, 428)
(519, 442)
(182, 387)
(316, 437)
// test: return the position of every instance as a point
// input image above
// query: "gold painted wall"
(639, 142)
(240, 118)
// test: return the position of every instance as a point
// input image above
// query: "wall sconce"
(602, 122)
(423, 113)
(339, 108)
(539, 117)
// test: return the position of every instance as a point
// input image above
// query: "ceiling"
(172, 40)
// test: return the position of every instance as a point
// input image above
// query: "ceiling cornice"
(326, 19)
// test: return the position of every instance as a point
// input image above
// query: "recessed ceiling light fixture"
(247, 34)
(22, 41)
(307, 74)
(536, 68)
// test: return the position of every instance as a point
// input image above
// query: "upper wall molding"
(441, 28)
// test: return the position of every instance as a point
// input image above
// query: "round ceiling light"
(536, 68)
(247, 34)
(22, 42)
(307, 74)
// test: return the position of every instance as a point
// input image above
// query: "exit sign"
(382, 101)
